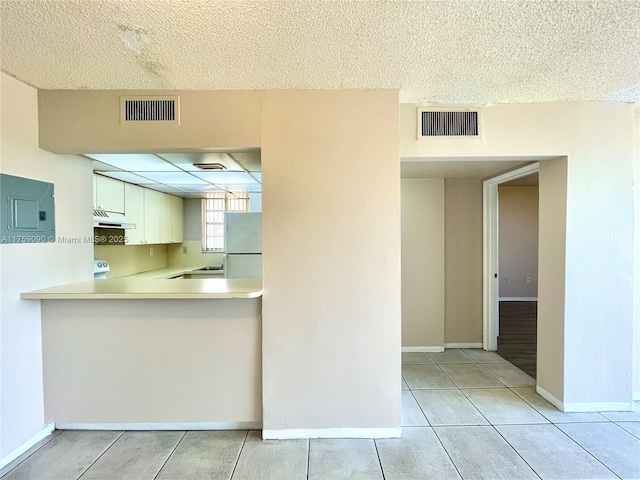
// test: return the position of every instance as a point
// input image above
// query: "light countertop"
(152, 285)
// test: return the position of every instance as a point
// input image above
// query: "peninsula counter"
(149, 353)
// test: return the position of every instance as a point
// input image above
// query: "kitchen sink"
(207, 269)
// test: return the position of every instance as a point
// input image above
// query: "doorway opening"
(510, 274)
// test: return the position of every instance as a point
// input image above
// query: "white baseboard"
(162, 426)
(517, 299)
(47, 430)
(550, 398)
(584, 407)
(463, 345)
(298, 433)
(423, 349)
(598, 407)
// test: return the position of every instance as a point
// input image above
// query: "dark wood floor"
(517, 340)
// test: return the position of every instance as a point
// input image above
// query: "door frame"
(490, 252)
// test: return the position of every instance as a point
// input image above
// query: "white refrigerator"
(243, 245)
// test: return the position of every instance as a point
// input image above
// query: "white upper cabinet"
(109, 194)
(158, 217)
(177, 220)
(171, 219)
(165, 218)
(134, 211)
(152, 205)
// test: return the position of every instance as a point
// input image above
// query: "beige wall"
(463, 261)
(171, 361)
(423, 261)
(89, 122)
(326, 306)
(129, 259)
(518, 241)
(551, 271)
(331, 253)
(598, 359)
(26, 267)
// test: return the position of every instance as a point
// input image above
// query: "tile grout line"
(52, 435)
(420, 407)
(618, 424)
(239, 453)
(516, 451)
(375, 445)
(100, 456)
(463, 394)
(170, 454)
(308, 456)
(583, 448)
(446, 451)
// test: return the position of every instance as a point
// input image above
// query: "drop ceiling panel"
(227, 178)
(129, 177)
(173, 178)
(164, 188)
(253, 188)
(103, 167)
(200, 188)
(143, 162)
(186, 161)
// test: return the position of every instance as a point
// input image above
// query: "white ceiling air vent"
(150, 109)
(210, 166)
(448, 123)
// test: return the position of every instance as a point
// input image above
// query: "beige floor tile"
(471, 376)
(204, 455)
(448, 407)
(481, 356)
(412, 416)
(610, 444)
(272, 459)
(417, 455)
(66, 456)
(416, 357)
(13, 464)
(138, 455)
(510, 375)
(453, 355)
(480, 452)
(632, 427)
(551, 454)
(502, 406)
(404, 385)
(336, 459)
(551, 413)
(622, 416)
(425, 376)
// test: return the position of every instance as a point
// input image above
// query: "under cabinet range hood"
(104, 219)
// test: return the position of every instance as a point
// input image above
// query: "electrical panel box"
(27, 213)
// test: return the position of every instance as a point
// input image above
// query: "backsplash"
(194, 256)
(127, 260)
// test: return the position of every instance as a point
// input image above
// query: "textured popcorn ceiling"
(433, 51)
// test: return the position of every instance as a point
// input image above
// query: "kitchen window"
(213, 210)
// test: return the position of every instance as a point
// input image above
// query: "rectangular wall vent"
(448, 124)
(150, 109)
